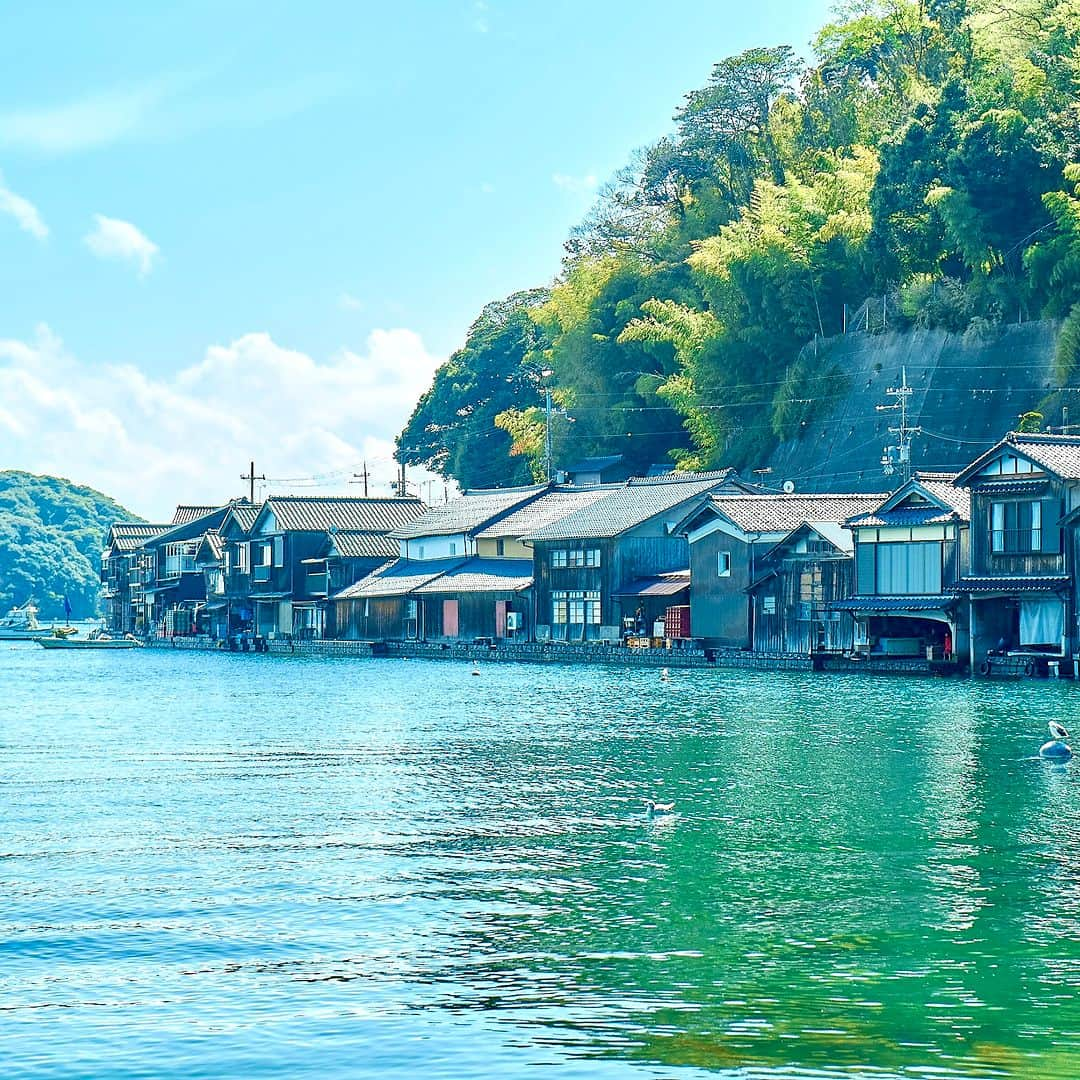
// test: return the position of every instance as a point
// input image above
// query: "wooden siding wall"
(719, 606)
(385, 619)
(985, 562)
(800, 627)
(476, 615)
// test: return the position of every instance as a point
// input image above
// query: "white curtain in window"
(1042, 620)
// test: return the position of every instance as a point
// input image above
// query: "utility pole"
(901, 452)
(363, 476)
(401, 483)
(546, 375)
(251, 477)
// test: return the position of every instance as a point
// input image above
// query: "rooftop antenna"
(900, 452)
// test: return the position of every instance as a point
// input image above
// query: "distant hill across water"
(51, 536)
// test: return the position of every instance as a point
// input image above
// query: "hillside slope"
(51, 536)
(965, 397)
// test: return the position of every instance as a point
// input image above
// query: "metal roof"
(186, 514)
(783, 513)
(595, 464)
(358, 544)
(885, 605)
(245, 514)
(538, 514)
(625, 506)
(1020, 583)
(1056, 454)
(318, 513)
(471, 511)
(482, 575)
(670, 584)
(397, 578)
(129, 535)
(214, 543)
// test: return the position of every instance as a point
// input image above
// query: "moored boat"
(98, 639)
(21, 624)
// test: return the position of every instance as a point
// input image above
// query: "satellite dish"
(789, 486)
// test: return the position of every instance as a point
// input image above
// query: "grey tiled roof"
(482, 575)
(355, 544)
(625, 506)
(542, 512)
(871, 604)
(313, 513)
(397, 578)
(245, 514)
(782, 513)
(472, 511)
(954, 502)
(214, 544)
(1057, 454)
(186, 514)
(129, 535)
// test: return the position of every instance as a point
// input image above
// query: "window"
(575, 608)
(419, 551)
(243, 558)
(279, 550)
(908, 569)
(453, 547)
(500, 546)
(1015, 527)
(768, 605)
(561, 559)
(723, 564)
(180, 558)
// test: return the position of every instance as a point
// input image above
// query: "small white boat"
(21, 624)
(97, 639)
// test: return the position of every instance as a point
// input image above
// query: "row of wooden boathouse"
(968, 569)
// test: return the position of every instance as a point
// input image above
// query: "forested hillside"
(51, 536)
(923, 171)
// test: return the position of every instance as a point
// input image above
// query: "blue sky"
(217, 217)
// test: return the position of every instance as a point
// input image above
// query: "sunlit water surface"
(226, 866)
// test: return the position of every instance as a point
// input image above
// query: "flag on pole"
(67, 608)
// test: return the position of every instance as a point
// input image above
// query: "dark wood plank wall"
(1053, 494)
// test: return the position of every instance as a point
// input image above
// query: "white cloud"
(348, 302)
(23, 211)
(112, 238)
(575, 184)
(152, 442)
(480, 22)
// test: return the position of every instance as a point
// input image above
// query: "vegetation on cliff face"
(51, 536)
(925, 165)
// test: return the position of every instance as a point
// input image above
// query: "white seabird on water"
(653, 809)
(1056, 749)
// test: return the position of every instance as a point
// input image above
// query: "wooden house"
(231, 612)
(731, 537)
(464, 572)
(813, 565)
(587, 562)
(286, 556)
(172, 585)
(121, 573)
(1020, 585)
(909, 551)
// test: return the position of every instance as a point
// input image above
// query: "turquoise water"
(219, 866)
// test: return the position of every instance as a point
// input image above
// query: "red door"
(500, 618)
(449, 618)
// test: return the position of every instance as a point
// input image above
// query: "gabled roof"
(210, 548)
(244, 514)
(625, 506)
(1058, 455)
(472, 511)
(830, 531)
(783, 513)
(186, 514)
(479, 575)
(538, 514)
(397, 578)
(129, 535)
(358, 544)
(318, 513)
(925, 499)
(192, 529)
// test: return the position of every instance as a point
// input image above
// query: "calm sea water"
(226, 866)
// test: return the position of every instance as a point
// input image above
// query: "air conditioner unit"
(513, 620)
